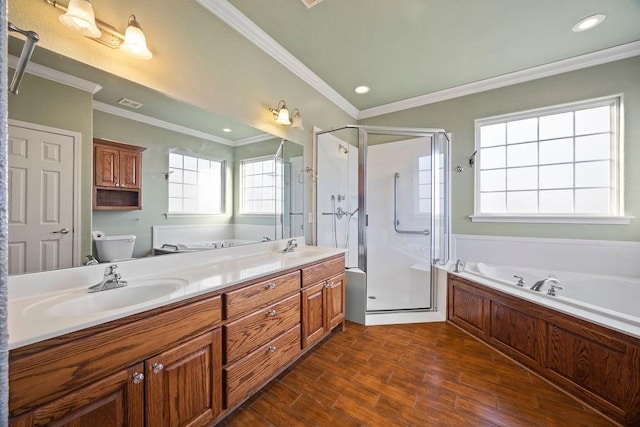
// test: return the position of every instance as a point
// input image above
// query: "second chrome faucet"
(110, 280)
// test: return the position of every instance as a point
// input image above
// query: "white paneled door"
(41, 206)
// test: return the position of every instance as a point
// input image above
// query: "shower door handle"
(396, 222)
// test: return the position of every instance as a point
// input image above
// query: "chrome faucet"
(291, 245)
(111, 280)
(459, 266)
(90, 260)
(555, 284)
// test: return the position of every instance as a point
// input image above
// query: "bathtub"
(610, 301)
(170, 248)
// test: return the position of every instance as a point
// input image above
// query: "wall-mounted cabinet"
(117, 175)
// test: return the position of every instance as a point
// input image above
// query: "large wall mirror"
(63, 105)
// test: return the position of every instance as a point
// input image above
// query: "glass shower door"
(399, 205)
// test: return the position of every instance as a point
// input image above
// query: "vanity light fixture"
(296, 120)
(135, 43)
(281, 115)
(79, 17)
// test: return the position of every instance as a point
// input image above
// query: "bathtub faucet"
(459, 266)
(540, 283)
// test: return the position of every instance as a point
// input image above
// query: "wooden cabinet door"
(314, 320)
(115, 401)
(130, 162)
(184, 384)
(335, 304)
(107, 166)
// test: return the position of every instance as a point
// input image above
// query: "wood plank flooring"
(428, 374)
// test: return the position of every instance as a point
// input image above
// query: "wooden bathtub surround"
(188, 363)
(597, 365)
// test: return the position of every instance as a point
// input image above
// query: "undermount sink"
(304, 253)
(75, 304)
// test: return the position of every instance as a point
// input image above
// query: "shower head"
(343, 148)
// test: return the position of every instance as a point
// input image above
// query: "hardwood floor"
(429, 374)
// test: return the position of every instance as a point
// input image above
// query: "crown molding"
(247, 28)
(253, 139)
(604, 56)
(121, 112)
(57, 76)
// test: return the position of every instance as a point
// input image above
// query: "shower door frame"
(363, 132)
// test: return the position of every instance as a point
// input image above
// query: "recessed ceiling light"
(226, 130)
(588, 23)
(362, 89)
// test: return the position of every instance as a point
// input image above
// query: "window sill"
(554, 219)
(193, 215)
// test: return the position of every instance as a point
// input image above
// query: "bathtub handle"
(396, 222)
(552, 289)
(520, 281)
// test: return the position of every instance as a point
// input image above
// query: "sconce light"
(79, 17)
(281, 115)
(296, 120)
(135, 43)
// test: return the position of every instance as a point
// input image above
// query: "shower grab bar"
(396, 222)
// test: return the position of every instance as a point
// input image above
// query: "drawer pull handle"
(272, 349)
(270, 286)
(157, 368)
(271, 313)
(138, 377)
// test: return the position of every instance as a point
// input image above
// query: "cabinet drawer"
(246, 334)
(252, 371)
(321, 271)
(261, 294)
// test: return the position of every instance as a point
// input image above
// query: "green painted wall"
(155, 163)
(47, 103)
(458, 115)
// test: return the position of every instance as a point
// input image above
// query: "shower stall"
(382, 194)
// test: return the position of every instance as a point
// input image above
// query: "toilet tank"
(115, 248)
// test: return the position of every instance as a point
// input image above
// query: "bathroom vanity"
(184, 361)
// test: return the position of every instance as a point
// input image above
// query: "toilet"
(115, 248)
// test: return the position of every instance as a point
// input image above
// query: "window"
(554, 162)
(424, 184)
(196, 185)
(260, 192)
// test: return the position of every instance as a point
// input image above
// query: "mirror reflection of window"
(259, 191)
(195, 185)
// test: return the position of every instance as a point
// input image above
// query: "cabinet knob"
(270, 286)
(157, 367)
(272, 349)
(271, 313)
(138, 377)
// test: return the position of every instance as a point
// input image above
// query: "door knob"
(62, 231)
(138, 377)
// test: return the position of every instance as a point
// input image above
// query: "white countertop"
(37, 302)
